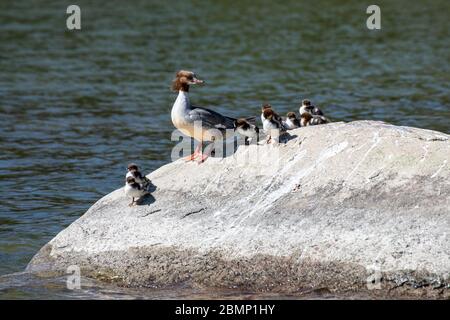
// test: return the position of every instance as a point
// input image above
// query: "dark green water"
(76, 107)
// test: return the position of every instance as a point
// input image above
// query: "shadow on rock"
(287, 137)
(148, 199)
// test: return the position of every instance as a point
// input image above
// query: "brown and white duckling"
(272, 124)
(307, 107)
(291, 121)
(133, 171)
(306, 119)
(134, 190)
(248, 130)
(276, 116)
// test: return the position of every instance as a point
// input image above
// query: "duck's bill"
(196, 81)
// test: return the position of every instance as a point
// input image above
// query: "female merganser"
(306, 119)
(307, 107)
(195, 121)
(133, 171)
(291, 121)
(248, 130)
(272, 124)
(134, 190)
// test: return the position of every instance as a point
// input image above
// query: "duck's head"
(184, 79)
(291, 115)
(268, 113)
(132, 167)
(130, 180)
(241, 123)
(306, 102)
(265, 106)
(306, 116)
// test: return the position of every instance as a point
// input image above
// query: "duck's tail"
(251, 120)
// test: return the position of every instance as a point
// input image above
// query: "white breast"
(132, 192)
(247, 133)
(303, 110)
(268, 125)
(180, 109)
(288, 124)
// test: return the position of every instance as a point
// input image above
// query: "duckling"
(134, 190)
(307, 107)
(277, 117)
(291, 121)
(133, 171)
(272, 123)
(248, 130)
(306, 119)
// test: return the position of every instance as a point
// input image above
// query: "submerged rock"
(359, 206)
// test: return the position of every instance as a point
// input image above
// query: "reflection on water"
(76, 107)
(26, 286)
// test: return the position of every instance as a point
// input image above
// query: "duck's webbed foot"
(196, 153)
(206, 153)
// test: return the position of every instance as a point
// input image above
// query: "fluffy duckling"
(133, 171)
(266, 106)
(291, 121)
(248, 130)
(272, 124)
(306, 119)
(307, 107)
(134, 190)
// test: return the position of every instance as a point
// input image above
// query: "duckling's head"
(306, 102)
(241, 123)
(183, 79)
(291, 115)
(132, 167)
(265, 106)
(268, 113)
(130, 180)
(306, 116)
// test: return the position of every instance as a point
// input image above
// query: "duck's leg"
(196, 153)
(206, 153)
(131, 204)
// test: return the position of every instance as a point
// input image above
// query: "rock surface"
(343, 207)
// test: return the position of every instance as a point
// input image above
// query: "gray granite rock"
(359, 206)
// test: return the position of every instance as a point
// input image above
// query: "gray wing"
(280, 123)
(251, 120)
(316, 111)
(210, 119)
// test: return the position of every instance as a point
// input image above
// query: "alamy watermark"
(73, 281)
(373, 281)
(73, 21)
(374, 20)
